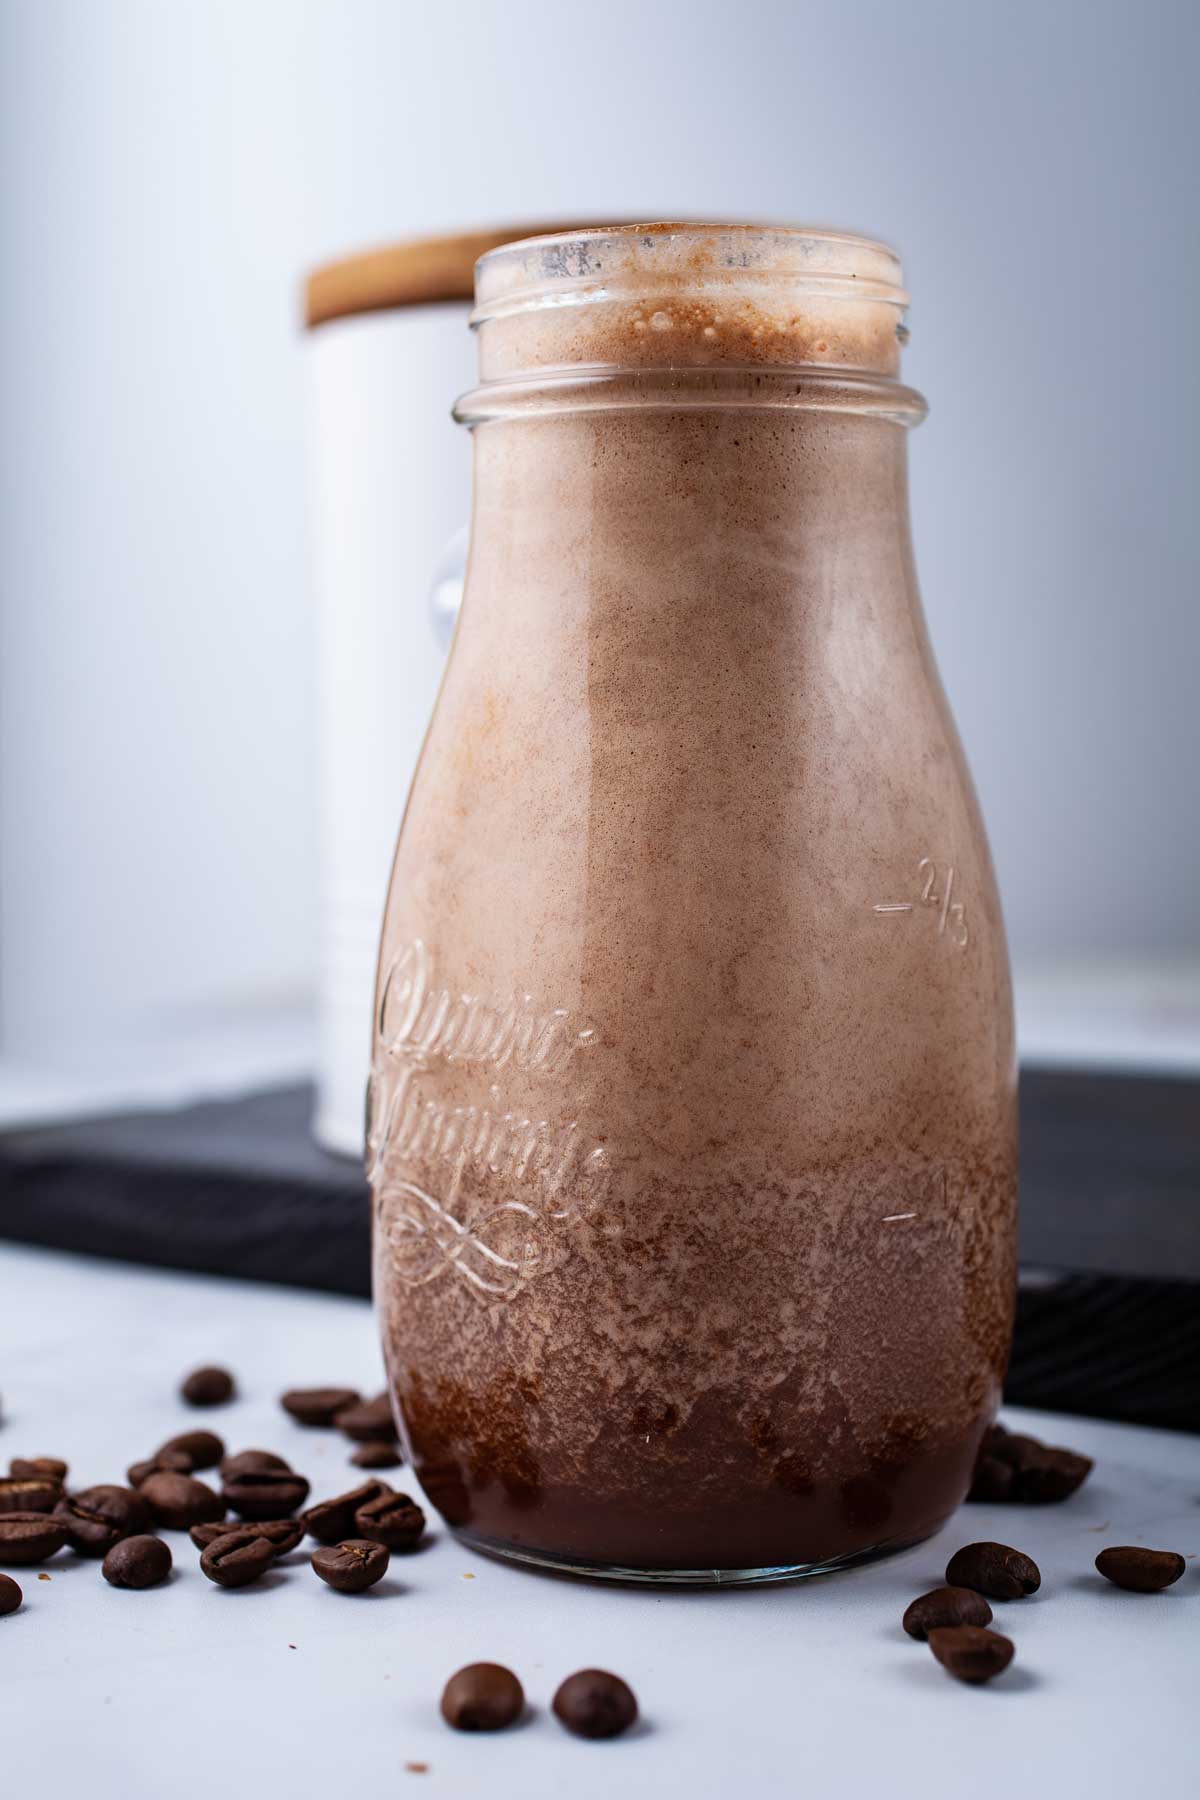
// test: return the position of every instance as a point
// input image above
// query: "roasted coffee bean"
(482, 1697)
(234, 1561)
(1140, 1571)
(282, 1534)
(1052, 1476)
(945, 1606)
(970, 1653)
(204, 1447)
(100, 1517)
(333, 1520)
(247, 1461)
(137, 1562)
(29, 1493)
(995, 1570)
(180, 1501)
(318, 1406)
(38, 1468)
(391, 1519)
(265, 1493)
(352, 1566)
(27, 1538)
(174, 1462)
(595, 1704)
(378, 1455)
(369, 1421)
(10, 1595)
(207, 1387)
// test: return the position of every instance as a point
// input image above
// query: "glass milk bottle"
(692, 1124)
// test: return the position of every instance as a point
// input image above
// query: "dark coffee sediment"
(693, 1103)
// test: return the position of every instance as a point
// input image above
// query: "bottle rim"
(618, 262)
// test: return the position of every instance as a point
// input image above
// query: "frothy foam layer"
(660, 296)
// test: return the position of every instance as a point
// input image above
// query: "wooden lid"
(418, 272)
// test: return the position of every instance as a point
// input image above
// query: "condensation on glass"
(692, 1135)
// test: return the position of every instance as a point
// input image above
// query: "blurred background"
(174, 169)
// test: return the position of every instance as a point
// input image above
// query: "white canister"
(389, 351)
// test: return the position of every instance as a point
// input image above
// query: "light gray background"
(171, 169)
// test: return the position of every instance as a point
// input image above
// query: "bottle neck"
(670, 514)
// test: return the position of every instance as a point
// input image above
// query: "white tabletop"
(288, 1688)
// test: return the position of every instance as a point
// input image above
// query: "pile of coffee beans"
(369, 1424)
(356, 1532)
(1012, 1469)
(488, 1697)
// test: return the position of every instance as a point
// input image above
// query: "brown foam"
(687, 295)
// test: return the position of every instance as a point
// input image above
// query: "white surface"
(812, 1689)
(391, 482)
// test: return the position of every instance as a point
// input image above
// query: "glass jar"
(692, 1121)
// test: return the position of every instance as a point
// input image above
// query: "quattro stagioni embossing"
(413, 1132)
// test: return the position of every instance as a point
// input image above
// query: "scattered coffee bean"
(99, 1517)
(318, 1406)
(27, 1538)
(378, 1455)
(970, 1653)
(38, 1468)
(1012, 1467)
(333, 1520)
(995, 1570)
(1140, 1571)
(175, 1462)
(353, 1566)
(265, 1493)
(180, 1501)
(235, 1561)
(945, 1606)
(391, 1519)
(282, 1534)
(595, 1704)
(10, 1595)
(29, 1493)
(482, 1697)
(137, 1562)
(246, 1461)
(207, 1387)
(204, 1447)
(368, 1421)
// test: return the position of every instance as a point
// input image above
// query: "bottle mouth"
(594, 266)
(690, 296)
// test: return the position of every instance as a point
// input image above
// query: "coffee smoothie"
(692, 1134)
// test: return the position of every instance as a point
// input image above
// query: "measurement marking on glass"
(952, 916)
